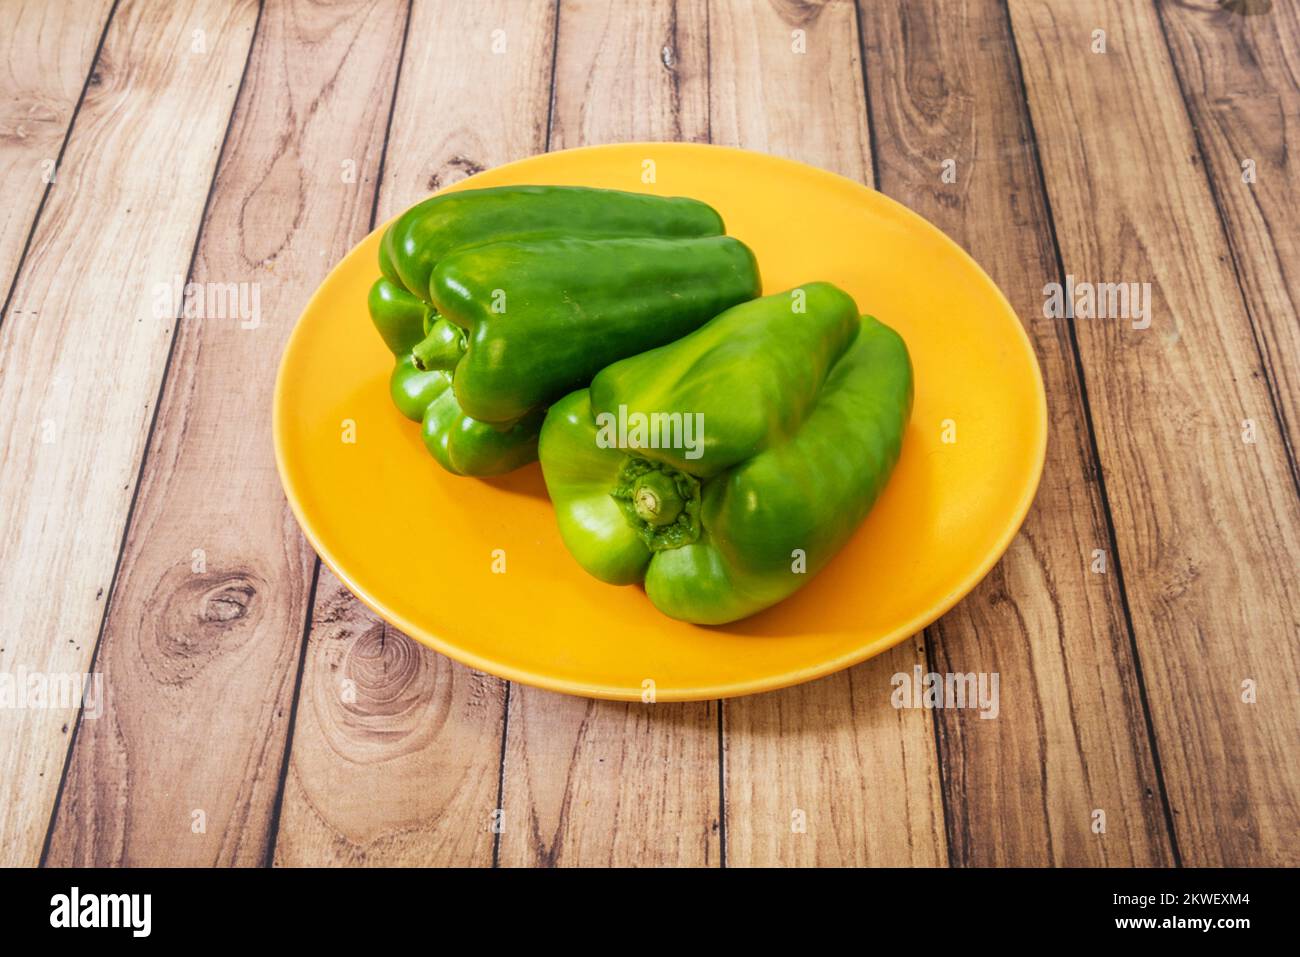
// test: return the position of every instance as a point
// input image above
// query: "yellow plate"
(422, 547)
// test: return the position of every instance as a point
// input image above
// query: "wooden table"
(1145, 624)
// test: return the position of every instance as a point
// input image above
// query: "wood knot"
(201, 615)
(799, 12)
(457, 168)
(228, 602)
(1246, 8)
(384, 663)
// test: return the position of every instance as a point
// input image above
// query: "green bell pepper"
(419, 238)
(725, 469)
(495, 302)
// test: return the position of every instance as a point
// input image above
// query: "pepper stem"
(656, 500)
(660, 503)
(440, 349)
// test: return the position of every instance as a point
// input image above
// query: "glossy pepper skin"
(495, 302)
(428, 231)
(803, 404)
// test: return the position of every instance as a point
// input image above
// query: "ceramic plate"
(424, 548)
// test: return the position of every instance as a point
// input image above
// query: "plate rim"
(786, 679)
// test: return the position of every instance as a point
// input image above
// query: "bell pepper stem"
(660, 503)
(437, 350)
(656, 500)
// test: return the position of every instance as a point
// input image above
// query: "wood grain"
(1238, 74)
(82, 356)
(765, 95)
(46, 49)
(202, 642)
(598, 782)
(1071, 734)
(1208, 525)
(396, 751)
(798, 762)
(601, 783)
(381, 770)
(629, 71)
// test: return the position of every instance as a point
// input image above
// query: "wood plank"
(863, 775)
(1238, 76)
(46, 49)
(395, 749)
(201, 645)
(409, 771)
(631, 71)
(602, 783)
(809, 105)
(82, 356)
(1071, 735)
(599, 782)
(1208, 525)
